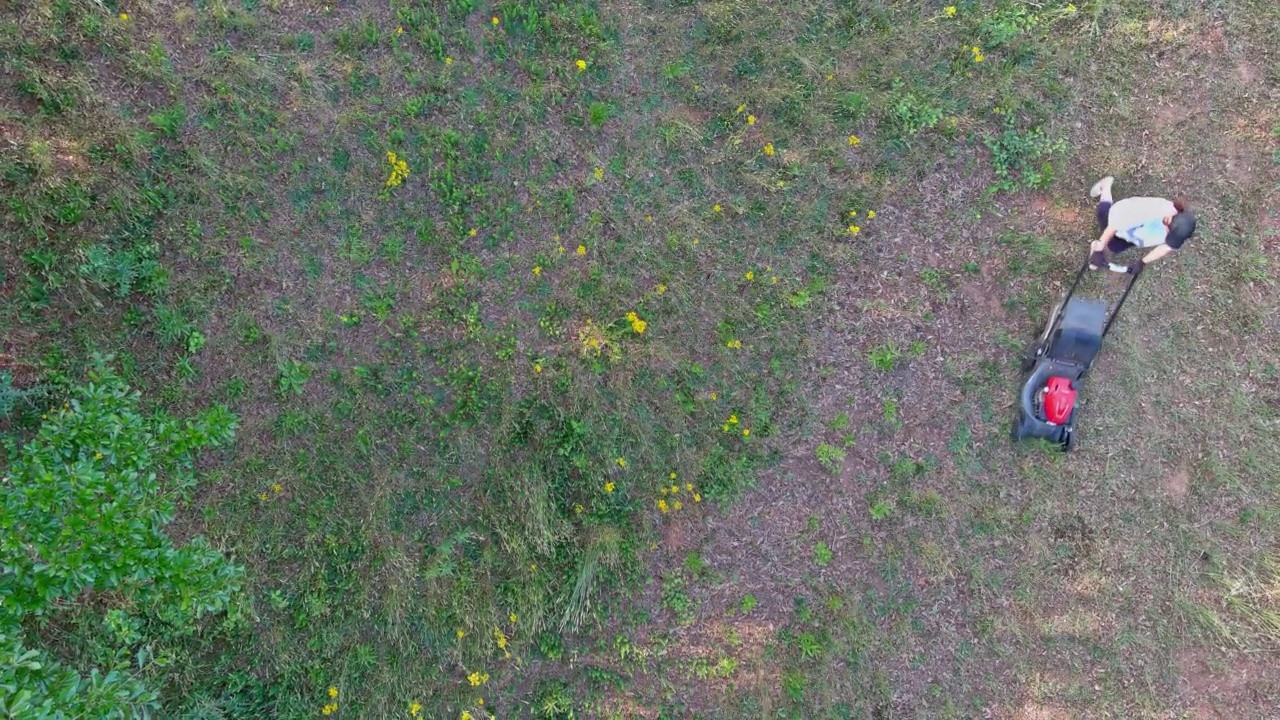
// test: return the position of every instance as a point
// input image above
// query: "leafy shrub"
(1019, 157)
(82, 509)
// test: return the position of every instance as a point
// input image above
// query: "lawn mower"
(1058, 361)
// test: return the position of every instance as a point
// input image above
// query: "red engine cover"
(1059, 399)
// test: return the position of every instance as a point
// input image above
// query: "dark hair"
(1181, 227)
(1180, 205)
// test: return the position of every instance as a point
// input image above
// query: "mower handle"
(1114, 267)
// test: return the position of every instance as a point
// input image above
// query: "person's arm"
(1156, 253)
(1101, 242)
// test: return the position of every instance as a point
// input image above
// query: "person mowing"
(1154, 224)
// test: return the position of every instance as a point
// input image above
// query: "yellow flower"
(1071, 7)
(496, 20)
(688, 486)
(949, 11)
(662, 505)
(716, 208)
(750, 275)
(632, 317)
(725, 427)
(333, 692)
(871, 214)
(676, 505)
(768, 149)
(639, 326)
(537, 367)
(675, 489)
(697, 498)
(746, 432)
(751, 119)
(734, 344)
(465, 716)
(742, 107)
(663, 490)
(472, 232)
(97, 456)
(733, 419)
(853, 140)
(577, 507)
(448, 61)
(661, 288)
(830, 77)
(399, 31)
(460, 634)
(977, 54)
(533, 566)
(853, 213)
(537, 271)
(124, 17)
(414, 709)
(854, 229)
(399, 170)
(582, 249)
(622, 463)
(512, 618)
(713, 396)
(328, 709)
(582, 65)
(774, 280)
(673, 475)
(478, 678)
(479, 701)
(276, 487)
(263, 497)
(599, 173)
(608, 487)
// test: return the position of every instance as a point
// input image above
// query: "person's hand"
(1137, 266)
(1096, 246)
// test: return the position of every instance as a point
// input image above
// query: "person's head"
(1181, 225)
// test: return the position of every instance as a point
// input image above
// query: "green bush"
(82, 509)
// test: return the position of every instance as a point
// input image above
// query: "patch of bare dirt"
(1241, 688)
(1037, 711)
(1176, 484)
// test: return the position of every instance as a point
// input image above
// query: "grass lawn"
(657, 358)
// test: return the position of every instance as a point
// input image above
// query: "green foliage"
(34, 687)
(293, 375)
(555, 703)
(909, 113)
(84, 509)
(11, 396)
(124, 271)
(831, 457)
(822, 554)
(1019, 157)
(885, 357)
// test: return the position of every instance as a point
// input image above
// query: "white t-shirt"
(1140, 220)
